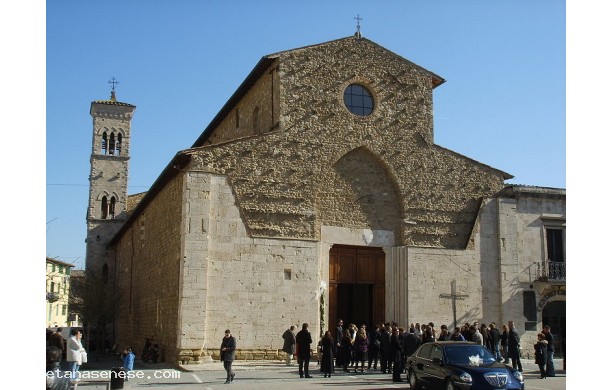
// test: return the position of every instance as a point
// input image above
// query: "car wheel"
(449, 385)
(412, 379)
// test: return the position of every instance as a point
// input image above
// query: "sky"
(503, 103)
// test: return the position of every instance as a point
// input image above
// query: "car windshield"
(468, 354)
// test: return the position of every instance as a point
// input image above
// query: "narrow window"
(112, 208)
(105, 273)
(104, 143)
(52, 287)
(104, 207)
(111, 145)
(256, 120)
(118, 145)
(61, 269)
(554, 244)
(63, 310)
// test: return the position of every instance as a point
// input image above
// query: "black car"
(452, 365)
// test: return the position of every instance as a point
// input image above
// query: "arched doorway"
(356, 285)
(553, 315)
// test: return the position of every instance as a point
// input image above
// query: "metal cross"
(358, 19)
(113, 82)
(454, 297)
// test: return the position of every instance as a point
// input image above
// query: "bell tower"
(108, 177)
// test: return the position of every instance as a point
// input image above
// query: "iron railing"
(552, 271)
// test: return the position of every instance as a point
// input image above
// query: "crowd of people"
(389, 344)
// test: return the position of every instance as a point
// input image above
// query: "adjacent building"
(58, 290)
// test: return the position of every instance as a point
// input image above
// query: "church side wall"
(255, 287)
(147, 269)
(256, 111)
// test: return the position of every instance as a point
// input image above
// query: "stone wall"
(147, 260)
(256, 113)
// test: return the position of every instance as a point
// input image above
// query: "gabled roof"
(265, 62)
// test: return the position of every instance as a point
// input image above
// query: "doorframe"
(331, 235)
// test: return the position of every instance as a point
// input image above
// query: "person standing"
(396, 354)
(457, 336)
(228, 354)
(327, 354)
(385, 349)
(128, 358)
(541, 354)
(361, 348)
(503, 338)
(374, 347)
(550, 364)
(339, 335)
(494, 337)
(514, 342)
(74, 354)
(303, 341)
(57, 340)
(289, 343)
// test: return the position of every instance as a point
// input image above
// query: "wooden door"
(351, 265)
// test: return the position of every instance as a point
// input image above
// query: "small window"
(104, 143)
(358, 100)
(52, 289)
(256, 120)
(61, 269)
(63, 310)
(118, 145)
(111, 209)
(287, 274)
(554, 244)
(104, 207)
(111, 145)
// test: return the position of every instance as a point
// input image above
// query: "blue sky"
(503, 103)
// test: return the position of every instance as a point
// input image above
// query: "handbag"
(83, 357)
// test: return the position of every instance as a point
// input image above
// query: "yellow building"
(58, 289)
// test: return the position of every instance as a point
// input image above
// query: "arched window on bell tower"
(111, 208)
(104, 208)
(104, 143)
(118, 145)
(111, 145)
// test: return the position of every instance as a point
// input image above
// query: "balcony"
(551, 272)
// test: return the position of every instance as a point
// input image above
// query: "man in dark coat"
(289, 343)
(228, 353)
(550, 364)
(396, 354)
(514, 342)
(339, 335)
(385, 349)
(374, 347)
(303, 340)
(410, 343)
(494, 337)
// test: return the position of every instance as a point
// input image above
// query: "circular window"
(358, 100)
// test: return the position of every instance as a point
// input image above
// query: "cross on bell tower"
(113, 82)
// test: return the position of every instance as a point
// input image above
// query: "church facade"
(317, 193)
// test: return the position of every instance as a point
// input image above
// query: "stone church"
(317, 193)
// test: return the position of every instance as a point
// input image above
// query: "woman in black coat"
(327, 355)
(541, 354)
(346, 347)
